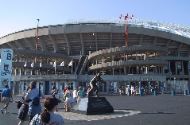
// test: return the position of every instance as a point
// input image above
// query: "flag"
(62, 63)
(25, 64)
(32, 64)
(40, 64)
(70, 63)
(54, 64)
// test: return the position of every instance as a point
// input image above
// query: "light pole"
(126, 18)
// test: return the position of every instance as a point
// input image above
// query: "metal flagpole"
(37, 39)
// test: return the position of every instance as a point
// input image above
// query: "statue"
(93, 85)
(94, 105)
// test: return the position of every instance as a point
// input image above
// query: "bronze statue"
(93, 85)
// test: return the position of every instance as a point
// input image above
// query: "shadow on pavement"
(167, 113)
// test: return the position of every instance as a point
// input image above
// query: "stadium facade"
(157, 55)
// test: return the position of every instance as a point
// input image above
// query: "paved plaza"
(136, 110)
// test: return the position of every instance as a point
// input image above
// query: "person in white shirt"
(32, 96)
(75, 95)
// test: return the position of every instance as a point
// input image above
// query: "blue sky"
(17, 15)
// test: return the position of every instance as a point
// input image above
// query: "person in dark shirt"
(6, 96)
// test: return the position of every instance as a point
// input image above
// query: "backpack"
(36, 120)
(36, 101)
(6, 93)
(23, 111)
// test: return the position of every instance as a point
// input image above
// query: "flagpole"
(37, 39)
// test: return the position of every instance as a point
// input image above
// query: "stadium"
(157, 56)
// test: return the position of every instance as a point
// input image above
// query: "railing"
(127, 63)
(84, 65)
(80, 64)
(137, 48)
(167, 27)
(131, 77)
(44, 77)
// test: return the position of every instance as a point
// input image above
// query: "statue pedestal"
(94, 106)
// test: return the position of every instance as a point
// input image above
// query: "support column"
(140, 92)
(21, 88)
(25, 71)
(42, 86)
(15, 73)
(74, 85)
(20, 71)
(125, 70)
(175, 68)
(113, 71)
(31, 72)
(169, 70)
(146, 70)
(182, 67)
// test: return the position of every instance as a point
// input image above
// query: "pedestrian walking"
(54, 92)
(6, 96)
(32, 96)
(68, 100)
(23, 106)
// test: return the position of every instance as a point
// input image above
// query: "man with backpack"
(6, 96)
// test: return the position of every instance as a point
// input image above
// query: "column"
(21, 88)
(169, 70)
(42, 86)
(31, 72)
(182, 67)
(125, 70)
(25, 71)
(74, 85)
(175, 67)
(107, 87)
(146, 70)
(113, 71)
(140, 88)
(15, 72)
(20, 71)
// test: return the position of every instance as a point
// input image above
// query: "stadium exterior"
(158, 55)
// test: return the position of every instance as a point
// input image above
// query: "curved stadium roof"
(167, 31)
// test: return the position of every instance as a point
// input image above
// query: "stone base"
(94, 106)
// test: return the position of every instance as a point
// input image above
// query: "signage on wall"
(6, 67)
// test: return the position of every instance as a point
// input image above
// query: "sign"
(6, 67)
